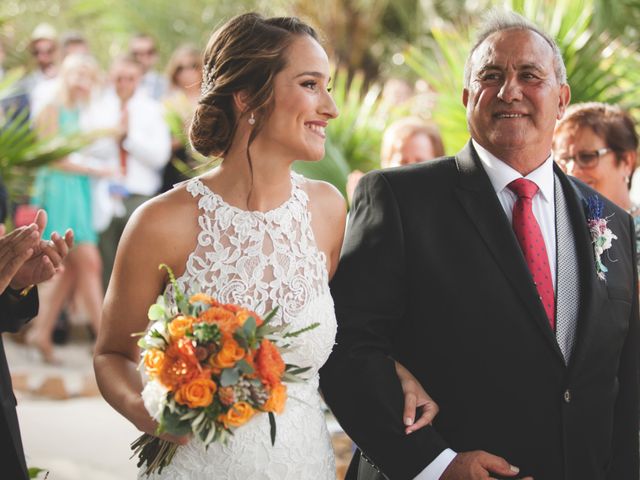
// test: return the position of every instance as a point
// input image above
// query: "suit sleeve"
(15, 312)
(359, 381)
(624, 463)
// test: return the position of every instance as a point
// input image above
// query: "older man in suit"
(25, 260)
(507, 288)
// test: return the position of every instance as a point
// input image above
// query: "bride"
(249, 232)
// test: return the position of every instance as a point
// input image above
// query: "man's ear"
(465, 97)
(564, 98)
(630, 160)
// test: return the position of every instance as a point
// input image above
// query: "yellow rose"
(153, 361)
(277, 399)
(197, 393)
(179, 326)
(237, 415)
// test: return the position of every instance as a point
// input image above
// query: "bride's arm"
(134, 286)
(415, 399)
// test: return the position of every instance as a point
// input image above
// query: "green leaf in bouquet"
(272, 425)
(230, 376)
(171, 422)
(206, 332)
(270, 316)
(242, 340)
(181, 301)
(156, 312)
(244, 367)
(295, 370)
(302, 330)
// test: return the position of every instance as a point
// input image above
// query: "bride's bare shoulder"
(168, 222)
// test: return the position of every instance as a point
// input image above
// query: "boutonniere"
(601, 235)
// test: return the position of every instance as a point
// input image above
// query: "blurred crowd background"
(96, 98)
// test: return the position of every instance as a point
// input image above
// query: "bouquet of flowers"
(210, 367)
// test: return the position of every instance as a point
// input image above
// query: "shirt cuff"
(436, 468)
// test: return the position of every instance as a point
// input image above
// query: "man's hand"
(15, 250)
(479, 465)
(46, 258)
(415, 398)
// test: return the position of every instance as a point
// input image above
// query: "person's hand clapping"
(15, 249)
(46, 257)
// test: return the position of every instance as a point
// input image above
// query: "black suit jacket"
(14, 314)
(432, 275)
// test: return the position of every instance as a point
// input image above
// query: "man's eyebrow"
(522, 66)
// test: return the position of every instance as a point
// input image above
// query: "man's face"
(144, 50)
(125, 77)
(44, 51)
(514, 99)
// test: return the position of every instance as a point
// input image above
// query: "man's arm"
(16, 310)
(359, 381)
(624, 464)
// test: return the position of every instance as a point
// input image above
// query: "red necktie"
(531, 241)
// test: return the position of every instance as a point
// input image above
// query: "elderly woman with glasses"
(598, 144)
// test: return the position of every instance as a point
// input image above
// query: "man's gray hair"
(498, 20)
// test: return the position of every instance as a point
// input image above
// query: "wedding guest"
(25, 260)
(406, 141)
(64, 191)
(74, 43)
(250, 232)
(139, 151)
(184, 71)
(598, 144)
(44, 48)
(480, 274)
(143, 48)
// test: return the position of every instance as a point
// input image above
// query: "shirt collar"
(500, 174)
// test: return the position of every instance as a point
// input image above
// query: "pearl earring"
(252, 119)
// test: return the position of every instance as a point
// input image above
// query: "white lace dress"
(262, 260)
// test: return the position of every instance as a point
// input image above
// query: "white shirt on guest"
(544, 209)
(148, 146)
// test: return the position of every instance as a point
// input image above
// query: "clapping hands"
(26, 259)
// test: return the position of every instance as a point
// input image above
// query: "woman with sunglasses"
(184, 72)
(598, 144)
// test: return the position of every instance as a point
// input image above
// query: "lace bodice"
(262, 260)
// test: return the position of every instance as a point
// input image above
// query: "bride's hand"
(415, 398)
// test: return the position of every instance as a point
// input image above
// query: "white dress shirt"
(148, 146)
(544, 209)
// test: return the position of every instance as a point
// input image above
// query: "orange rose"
(225, 320)
(269, 363)
(179, 326)
(153, 361)
(181, 364)
(237, 415)
(203, 298)
(244, 314)
(277, 399)
(228, 355)
(197, 393)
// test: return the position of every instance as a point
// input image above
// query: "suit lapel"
(593, 293)
(479, 200)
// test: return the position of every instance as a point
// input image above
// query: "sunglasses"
(191, 66)
(586, 159)
(43, 51)
(144, 53)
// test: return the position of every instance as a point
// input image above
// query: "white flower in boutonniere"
(601, 235)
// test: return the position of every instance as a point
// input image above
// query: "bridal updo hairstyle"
(245, 54)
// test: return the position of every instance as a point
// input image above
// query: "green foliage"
(21, 151)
